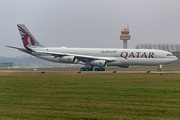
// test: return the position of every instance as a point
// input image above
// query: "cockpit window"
(169, 55)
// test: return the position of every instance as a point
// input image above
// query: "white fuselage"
(120, 56)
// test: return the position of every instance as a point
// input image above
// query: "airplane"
(93, 57)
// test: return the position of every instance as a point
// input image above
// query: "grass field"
(89, 96)
(170, 67)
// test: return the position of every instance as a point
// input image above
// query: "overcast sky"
(89, 23)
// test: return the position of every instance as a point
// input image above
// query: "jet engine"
(67, 59)
(99, 63)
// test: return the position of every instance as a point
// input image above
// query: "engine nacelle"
(67, 59)
(99, 63)
(124, 66)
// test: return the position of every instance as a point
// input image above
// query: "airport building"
(6, 64)
(173, 48)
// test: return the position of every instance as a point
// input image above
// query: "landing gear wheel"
(99, 69)
(102, 69)
(86, 69)
(159, 70)
(82, 69)
(90, 69)
(96, 69)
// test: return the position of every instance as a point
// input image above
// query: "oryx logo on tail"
(27, 38)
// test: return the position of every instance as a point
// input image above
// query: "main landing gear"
(91, 69)
(159, 68)
(86, 69)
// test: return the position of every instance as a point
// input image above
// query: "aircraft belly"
(138, 61)
(132, 61)
(146, 61)
(164, 61)
(114, 63)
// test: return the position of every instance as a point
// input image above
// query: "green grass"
(170, 67)
(88, 96)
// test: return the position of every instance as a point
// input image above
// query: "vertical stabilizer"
(27, 38)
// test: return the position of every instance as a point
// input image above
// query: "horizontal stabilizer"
(20, 49)
(15, 47)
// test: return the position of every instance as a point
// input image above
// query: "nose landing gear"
(159, 68)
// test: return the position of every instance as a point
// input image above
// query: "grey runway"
(92, 71)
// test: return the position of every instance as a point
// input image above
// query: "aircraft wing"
(78, 56)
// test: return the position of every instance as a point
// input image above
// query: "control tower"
(125, 36)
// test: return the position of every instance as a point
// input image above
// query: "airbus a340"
(93, 57)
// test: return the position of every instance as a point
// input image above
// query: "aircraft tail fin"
(28, 39)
